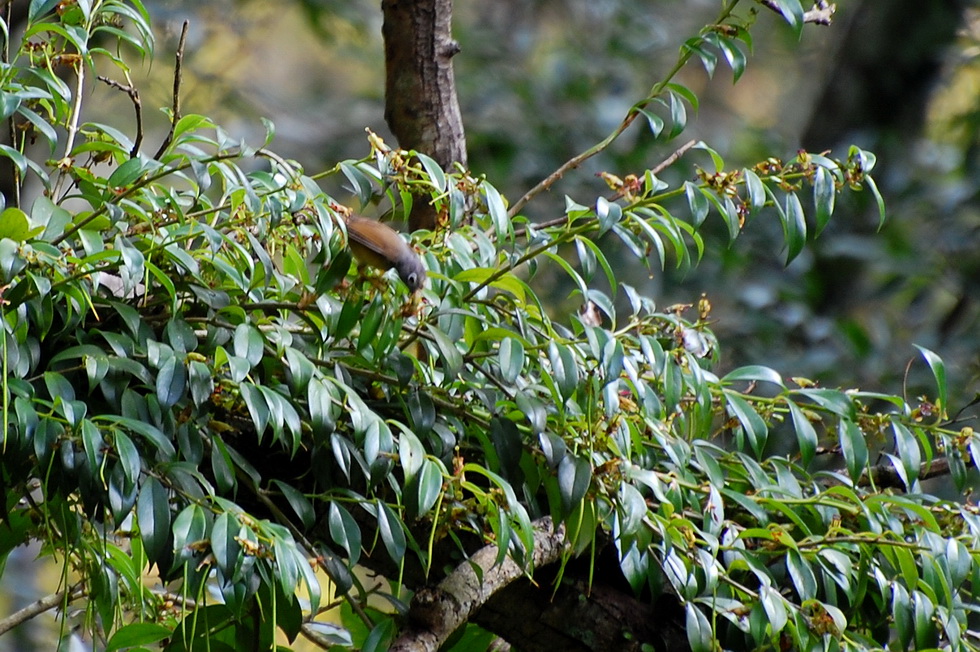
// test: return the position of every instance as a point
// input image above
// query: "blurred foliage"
(197, 380)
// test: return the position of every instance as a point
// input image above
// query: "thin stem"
(631, 115)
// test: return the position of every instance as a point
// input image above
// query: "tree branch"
(134, 96)
(436, 613)
(178, 73)
(46, 603)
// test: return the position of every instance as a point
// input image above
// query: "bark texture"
(421, 106)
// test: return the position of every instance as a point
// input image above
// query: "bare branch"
(660, 167)
(436, 613)
(134, 96)
(46, 603)
(886, 475)
(178, 73)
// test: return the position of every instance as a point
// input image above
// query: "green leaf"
(938, 368)
(574, 479)
(794, 227)
(258, 407)
(754, 373)
(511, 356)
(608, 213)
(126, 174)
(248, 343)
(824, 195)
(449, 355)
(563, 368)
(392, 534)
(344, 531)
(429, 486)
(878, 199)
(806, 435)
(753, 426)
(225, 547)
(699, 632)
(756, 190)
(129, 456)
(804, 580)
(792, 11)
(498, 213)
(190, 527)
(411, 454)
(15, 224)
(171, 382)
(655, 121)
(854, 447)
(697, 202)
(435, 172)
(678, 116)
(137, 635)
(907, 447)
(153, 516)
(39, 8)
(299, 502)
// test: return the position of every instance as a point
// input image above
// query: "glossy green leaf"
(171, 381)
(511, 359)
(137, 635)
(824, 196)
(806, 434)
(938, 368)
(248, 344)
(563, 368)
(854, 447)
(428, 485)
(344, 531)
(699, 631)
(392, 534)
(754, 373)
(153, 516)
(299, 503)
(753, 426)
(697, 202)
(574, 479)
(225, 546)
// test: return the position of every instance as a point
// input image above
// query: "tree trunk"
(421, 107)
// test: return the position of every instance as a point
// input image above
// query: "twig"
(631, 115)
(76, 112)
(821, 14)
(660, 167)
(670, 160)
(46, 603)
(178, 72)
(134, 96)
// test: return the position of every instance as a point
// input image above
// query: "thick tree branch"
(37, 608)
(436, 613)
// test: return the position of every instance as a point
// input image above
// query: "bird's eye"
(413, 279)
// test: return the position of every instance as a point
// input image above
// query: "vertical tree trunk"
(421, 107)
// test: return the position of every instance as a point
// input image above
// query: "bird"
(378, 245)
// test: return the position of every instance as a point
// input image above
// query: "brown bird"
(380, 246)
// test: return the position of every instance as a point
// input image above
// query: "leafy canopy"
(196, 380)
